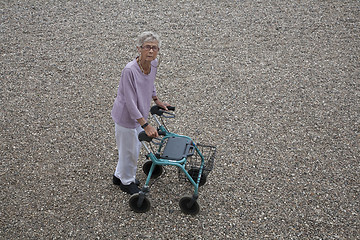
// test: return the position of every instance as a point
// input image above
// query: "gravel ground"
(273, 84)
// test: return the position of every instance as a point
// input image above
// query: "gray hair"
(147, 37)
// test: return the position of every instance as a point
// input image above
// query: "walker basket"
(193, 163)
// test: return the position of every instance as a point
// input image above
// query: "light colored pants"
(128, 147)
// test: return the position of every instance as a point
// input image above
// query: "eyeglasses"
(148, 47)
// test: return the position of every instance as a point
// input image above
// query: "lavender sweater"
(134, 95)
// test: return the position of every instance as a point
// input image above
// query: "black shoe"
(117, 181)
(130, 189)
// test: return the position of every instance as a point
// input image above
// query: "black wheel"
(134, 201)
(158, 170)
(194, 173)
(185, 208)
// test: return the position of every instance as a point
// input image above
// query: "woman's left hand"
(162, 105)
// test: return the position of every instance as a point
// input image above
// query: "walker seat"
(177, 148)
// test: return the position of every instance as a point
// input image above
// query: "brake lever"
(168, 114)
(157, 142)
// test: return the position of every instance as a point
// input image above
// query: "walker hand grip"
(159, 111)
(143, 137)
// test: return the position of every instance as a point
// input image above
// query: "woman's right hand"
(151, 131)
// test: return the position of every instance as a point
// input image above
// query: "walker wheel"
(139, 207)
(185, 208)
(194, 173)
(158, 170)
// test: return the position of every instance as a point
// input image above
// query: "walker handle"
(143, 137)
(159, 111)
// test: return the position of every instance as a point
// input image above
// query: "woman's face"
(149, 50)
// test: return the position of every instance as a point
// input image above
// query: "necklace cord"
(141, 68)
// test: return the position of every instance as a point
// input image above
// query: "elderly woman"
(131, 109)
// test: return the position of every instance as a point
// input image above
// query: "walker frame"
(173, 150)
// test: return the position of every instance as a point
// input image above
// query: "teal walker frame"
(173, 150)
